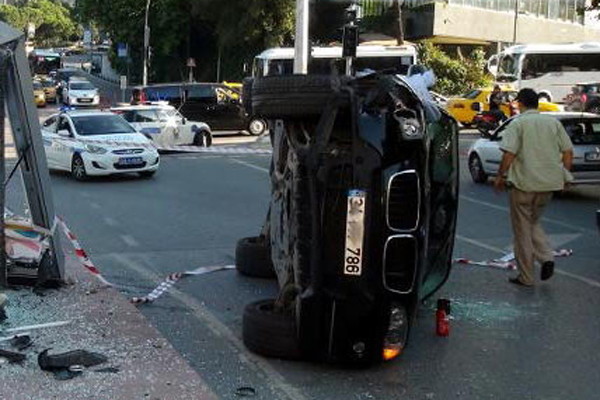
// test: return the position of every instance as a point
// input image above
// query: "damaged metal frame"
(16, 88)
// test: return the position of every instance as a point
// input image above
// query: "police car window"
(64, 125)
(142, 116)
(106, 124)
(127, 115)
(49, 122)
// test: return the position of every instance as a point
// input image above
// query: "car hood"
(117, 139)
(82, 93)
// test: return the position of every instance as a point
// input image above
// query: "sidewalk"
(102, 321)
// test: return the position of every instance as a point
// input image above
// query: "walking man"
(538, 155)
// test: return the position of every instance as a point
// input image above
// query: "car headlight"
(95, 149)
(96, 98)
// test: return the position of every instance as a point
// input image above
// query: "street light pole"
(516, 21)
(301, 45)
(146, 45)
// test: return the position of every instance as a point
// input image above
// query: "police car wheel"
(78, 168)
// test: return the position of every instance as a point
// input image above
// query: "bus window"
(508, 66)
(535, 65)
(280, 67)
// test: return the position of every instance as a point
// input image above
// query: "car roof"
(144, 107)
(572, 115)
(84, 113)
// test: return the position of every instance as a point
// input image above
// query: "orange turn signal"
(391, 353)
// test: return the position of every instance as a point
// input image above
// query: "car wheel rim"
(257, 127)
(78, 169)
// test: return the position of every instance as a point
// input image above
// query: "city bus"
(280, 61)
(550, 69)
(41, 62)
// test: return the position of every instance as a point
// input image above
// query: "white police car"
(165, 125)
(95, 143)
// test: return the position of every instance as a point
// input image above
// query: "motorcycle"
(488, 121)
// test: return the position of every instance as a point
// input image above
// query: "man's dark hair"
(529, 98)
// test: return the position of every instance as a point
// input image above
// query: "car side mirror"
(476, 107)
(64, 132)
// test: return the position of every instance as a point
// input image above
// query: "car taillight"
(584, 98)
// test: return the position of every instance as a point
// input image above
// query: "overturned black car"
(362, 217)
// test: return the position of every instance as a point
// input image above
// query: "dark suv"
(216, 104)
(362, 216)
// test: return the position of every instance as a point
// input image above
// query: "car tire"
(147, 174)
(203, 139)
(292, 96)
(253, 257)
(78, 168)
(476, 169)
(257, 126)
(270, 333)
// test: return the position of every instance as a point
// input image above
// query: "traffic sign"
(123, 82)
(191, 63)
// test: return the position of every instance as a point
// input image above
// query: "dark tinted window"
(583, 132)
(166, 93)
(106, 124)
(200, 92)
(539, 64)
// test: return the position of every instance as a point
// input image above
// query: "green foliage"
(201, 29)
(53, 21)
(455, 75)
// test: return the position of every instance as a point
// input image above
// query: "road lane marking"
(250, 165)
(130, 240)
(276, 382)
(545, 219)
(559, 271)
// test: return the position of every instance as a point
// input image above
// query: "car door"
(65, 143)
(201, 104)
(489, 150)
(147, 122)
(229, 109)
(49, 137)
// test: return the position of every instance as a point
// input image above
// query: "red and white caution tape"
(81, 254)
(172, 279)
(506, 262)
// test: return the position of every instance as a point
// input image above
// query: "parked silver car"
(583, 129)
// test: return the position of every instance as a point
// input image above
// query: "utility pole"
(146, 44)
(301, 45)
(516, 22)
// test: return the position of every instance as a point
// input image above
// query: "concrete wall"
(468, 23)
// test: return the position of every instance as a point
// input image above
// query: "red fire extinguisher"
(442, 325)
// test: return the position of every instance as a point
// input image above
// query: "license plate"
(130, 160)
(85, 100)
(592, 156)
(355, 232)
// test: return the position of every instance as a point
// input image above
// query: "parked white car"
(583, 129)
(79, 92)
(165, 125)
(94, 143)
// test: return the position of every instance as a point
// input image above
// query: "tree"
(455, 75)
(54, 23)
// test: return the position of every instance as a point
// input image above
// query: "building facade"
(488, 22)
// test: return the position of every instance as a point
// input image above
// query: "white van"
(280, 61)
(550, 69)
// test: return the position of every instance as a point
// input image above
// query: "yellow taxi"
(478, 100)
(49, 90)
(39, 96)
(237, 88)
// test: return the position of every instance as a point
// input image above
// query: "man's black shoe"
(547, 270)
(518, 282)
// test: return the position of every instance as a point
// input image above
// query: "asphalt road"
(505, 342)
